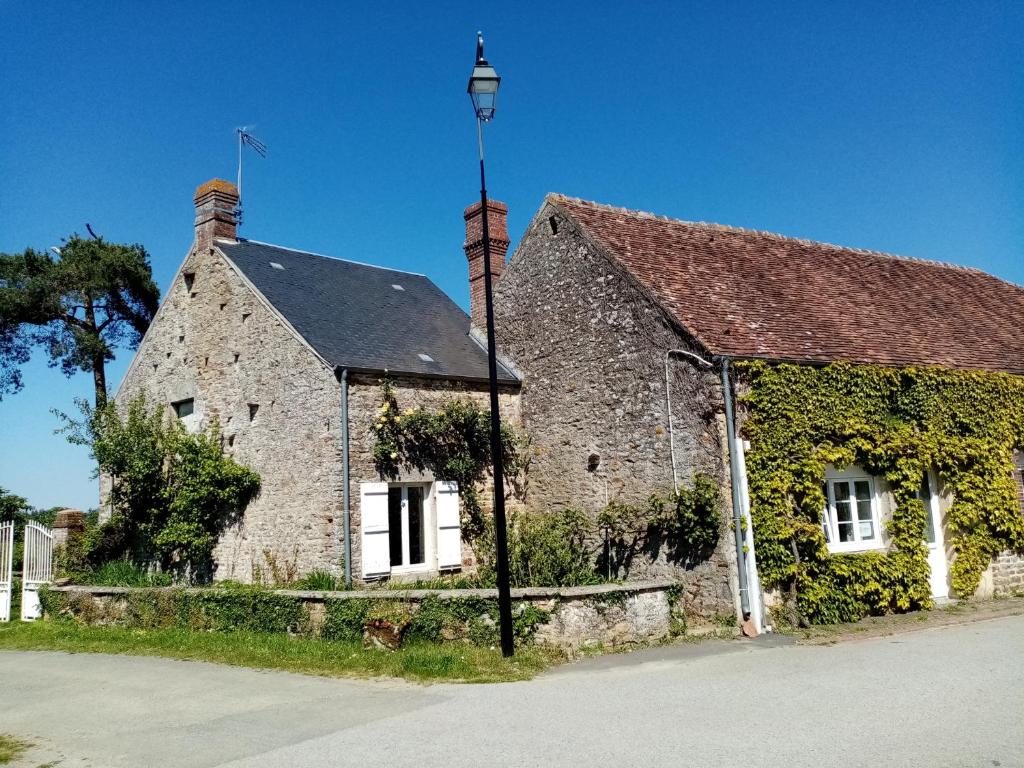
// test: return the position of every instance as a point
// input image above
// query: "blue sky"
(892, 126)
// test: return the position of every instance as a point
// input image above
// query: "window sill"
(400, 570)
(855, 547)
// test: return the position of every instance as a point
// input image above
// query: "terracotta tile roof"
(755, 294)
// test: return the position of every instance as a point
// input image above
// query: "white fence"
(6, 569)
(38, 569)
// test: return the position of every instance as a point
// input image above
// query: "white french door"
(407, 524)
(933, 537)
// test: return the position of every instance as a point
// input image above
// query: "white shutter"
(376, 548)
(449, 531)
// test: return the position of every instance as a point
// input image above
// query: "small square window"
(184, 408)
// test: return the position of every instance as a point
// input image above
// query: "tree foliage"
(79, 307)
(13, 507)
(172, 493)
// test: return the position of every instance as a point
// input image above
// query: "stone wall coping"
(521, 593)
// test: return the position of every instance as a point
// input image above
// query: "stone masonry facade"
(279, 410)
(1008, 567)
(278, 407)
(592, 345)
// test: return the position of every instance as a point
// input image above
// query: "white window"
(409, 527)
(850, 519)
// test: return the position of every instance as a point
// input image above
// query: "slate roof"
(754, 294)
(353, 315)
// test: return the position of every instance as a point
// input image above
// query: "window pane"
(395, 524)
(844, 512)
(842, 498)
(867, 527)
(416, 526)
(184, 408)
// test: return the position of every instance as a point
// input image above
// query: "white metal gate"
(6, 568)
(38, 569)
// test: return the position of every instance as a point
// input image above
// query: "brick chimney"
(216, 201)
(497, 225)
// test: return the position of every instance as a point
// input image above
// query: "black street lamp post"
(483, 89)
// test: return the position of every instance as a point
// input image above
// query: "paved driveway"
(946, 697)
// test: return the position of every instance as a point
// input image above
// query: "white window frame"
(429, 544)
(829, 518)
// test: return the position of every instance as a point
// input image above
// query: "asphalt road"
(945, 697)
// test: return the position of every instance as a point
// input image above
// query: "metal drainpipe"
(342, 374)
(737, 504)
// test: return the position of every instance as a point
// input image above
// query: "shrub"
(172, 493)
(121, 573)
(344, 619)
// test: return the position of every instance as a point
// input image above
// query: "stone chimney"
(497, 225)
(216, 201)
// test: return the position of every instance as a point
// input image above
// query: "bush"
(344, 619)
(565, 548)
(121, 573)
(172, 493)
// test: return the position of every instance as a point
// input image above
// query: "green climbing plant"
(453, 442)
(895, 423)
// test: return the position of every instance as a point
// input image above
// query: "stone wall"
(592, 344)
(277, 404)
(1008, 567)
(608, 615)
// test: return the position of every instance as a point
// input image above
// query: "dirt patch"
(950, 614)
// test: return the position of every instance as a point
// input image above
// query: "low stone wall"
(570, 618)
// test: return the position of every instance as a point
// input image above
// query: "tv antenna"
(245, 139)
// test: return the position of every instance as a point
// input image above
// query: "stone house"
(286, 350)
(624, 326)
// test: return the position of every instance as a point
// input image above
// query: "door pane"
(925, 495)
(867, 525)
(395, 524)
(417, 538)
(844, 513)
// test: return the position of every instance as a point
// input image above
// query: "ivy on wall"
(895, 423)
(453, 442)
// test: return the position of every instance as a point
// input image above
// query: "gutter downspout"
(737, 501)
(342, 374)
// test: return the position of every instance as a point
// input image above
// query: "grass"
(11, 748)
(423, 663)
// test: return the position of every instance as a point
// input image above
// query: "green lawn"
(417, 662)
(11, 748)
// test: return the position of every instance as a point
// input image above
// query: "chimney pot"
(216, 202)
(497, 226)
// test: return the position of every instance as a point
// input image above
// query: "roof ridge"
(321, 255)
(713, 226)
